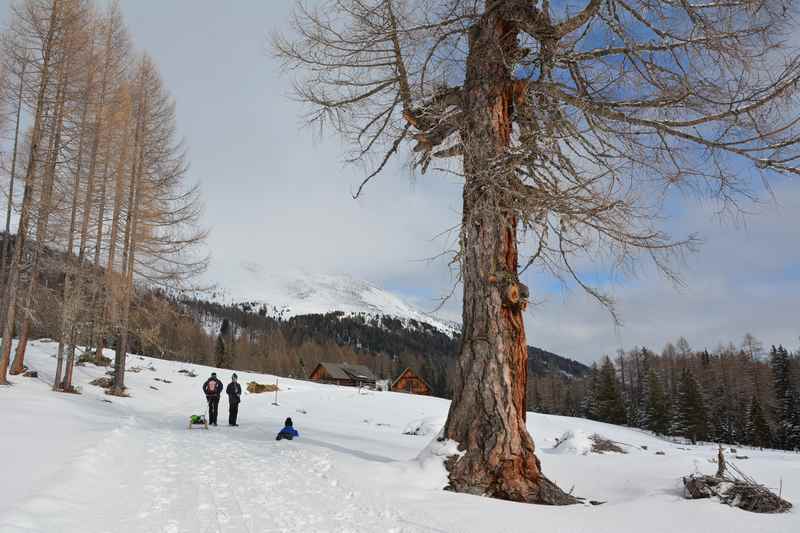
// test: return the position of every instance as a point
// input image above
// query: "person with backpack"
(234, 391)
(288, 432)
(212, 389)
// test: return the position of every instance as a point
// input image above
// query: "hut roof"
(348, 372)
(413, 374)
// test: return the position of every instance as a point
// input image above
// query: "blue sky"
(280, 197)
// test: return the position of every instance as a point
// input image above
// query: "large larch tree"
(570, 124)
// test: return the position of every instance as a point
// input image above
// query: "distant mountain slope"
(287, 294)
(384, 342)
(340, 310)
(541, 362)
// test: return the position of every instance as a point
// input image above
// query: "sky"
(278, 194)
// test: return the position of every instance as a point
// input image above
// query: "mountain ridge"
(290, 293)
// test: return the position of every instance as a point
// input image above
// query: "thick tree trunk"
(487, 414)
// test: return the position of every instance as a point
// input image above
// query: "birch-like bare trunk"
(67, 318)
(129, 244)
(12, 178)
(12, 285)
(43, 217)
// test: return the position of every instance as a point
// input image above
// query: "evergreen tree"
(657, 405)
(222, 351)
(785, 396)
(723, 417)
(642, 392)
(793, 431)
(587, 404)
(608, 403)
(690, 418)
(219, 353)
(741, 421)
(758, 432)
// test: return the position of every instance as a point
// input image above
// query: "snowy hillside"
(288, 294)
(91, 463)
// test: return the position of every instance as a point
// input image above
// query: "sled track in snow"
(223, 480)
(219, 484)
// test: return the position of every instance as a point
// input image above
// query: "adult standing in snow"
(212, 389)
(288, 432)
(234, 391)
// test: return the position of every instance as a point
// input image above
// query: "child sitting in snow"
(288, 432)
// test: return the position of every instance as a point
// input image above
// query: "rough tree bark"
(487, 414)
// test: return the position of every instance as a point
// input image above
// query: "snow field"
(76, 463)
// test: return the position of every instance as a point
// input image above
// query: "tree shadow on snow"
(341, 449)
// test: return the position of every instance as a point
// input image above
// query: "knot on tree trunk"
(513, 292)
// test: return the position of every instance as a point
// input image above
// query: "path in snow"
(145, 477)
(216, 481)
(144, 471)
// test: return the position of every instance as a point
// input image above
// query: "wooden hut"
(343, 374)
(410, 382)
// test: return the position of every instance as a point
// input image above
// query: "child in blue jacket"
(288, 432)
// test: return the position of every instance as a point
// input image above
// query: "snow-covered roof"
(348, 371)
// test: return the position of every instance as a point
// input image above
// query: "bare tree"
(161, 230)
(101, 134)
(107, 132)
(570, 125)
(12, 96)
(36, 26)
(752, 346)
(70, 45)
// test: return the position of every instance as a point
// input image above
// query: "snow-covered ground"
(76, 463)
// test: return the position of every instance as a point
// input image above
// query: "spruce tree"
(222, 351)
(758, 432)
(690, 419)
(793, 431)
(657, 405)
(723, 417)
(608, 403)
(588, 403)
(219, 353)
(785, 396)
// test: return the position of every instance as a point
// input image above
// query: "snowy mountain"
(90, 463)
(292, 293)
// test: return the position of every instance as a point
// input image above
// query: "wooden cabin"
(410, 382)
(343, 374)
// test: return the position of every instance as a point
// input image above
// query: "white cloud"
(277, 198)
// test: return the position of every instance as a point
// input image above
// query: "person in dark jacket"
(288, 432)
(234, 391)
(213, 390)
